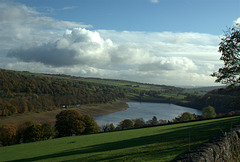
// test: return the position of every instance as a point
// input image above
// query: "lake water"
(146, 111)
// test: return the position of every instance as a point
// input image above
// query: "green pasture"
(161, 143)
(166, 91)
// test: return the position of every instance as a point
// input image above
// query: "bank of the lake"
(99, 111)
(102, 109)
(50, 116)
(145, 110)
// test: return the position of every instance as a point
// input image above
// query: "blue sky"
(204, 16)
(171, 42)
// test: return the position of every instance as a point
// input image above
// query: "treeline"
(224, 100)
(68, 123)
(207, 113)
(71, 122)
(25, 92)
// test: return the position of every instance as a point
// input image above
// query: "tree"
(69, 122)
(90, 125)
(111, 127)
(126, 124)
(108, 128)
(11, 109)
(48, 131)
(8, 134)
(208, 112)
(139, 122)
(153, 121)
(38, 132)
(162, 121)
(186, 116)
(230, 49)
(33, 133)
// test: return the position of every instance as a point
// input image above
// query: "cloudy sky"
(171, 42)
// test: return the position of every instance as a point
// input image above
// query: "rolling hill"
(22, 91)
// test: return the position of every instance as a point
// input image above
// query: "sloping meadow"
(162, 143)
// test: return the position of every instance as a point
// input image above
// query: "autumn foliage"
(69, 122)
(72, 122)
(22, 92)
(8, 134)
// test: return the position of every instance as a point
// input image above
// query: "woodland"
(22, 92)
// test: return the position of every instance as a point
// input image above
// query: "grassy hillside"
(162, 143)
(166, 90)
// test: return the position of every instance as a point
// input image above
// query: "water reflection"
(146, 111)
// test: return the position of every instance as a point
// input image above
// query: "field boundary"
(221, 148)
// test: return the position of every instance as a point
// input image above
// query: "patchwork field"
(162, 143)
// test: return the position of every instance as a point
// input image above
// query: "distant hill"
(208, 88)
(22, 91)
(223, 100)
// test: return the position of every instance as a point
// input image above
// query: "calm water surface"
(146, 111)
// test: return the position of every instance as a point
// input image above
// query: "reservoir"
(145, 110)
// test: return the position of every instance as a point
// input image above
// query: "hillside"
(224, 100)
(22, 92)
(161, 143)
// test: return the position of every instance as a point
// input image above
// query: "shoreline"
(92, 109)
(102, 109)
(50, 116)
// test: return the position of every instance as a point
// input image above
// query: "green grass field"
(162, 143)
(122, 83)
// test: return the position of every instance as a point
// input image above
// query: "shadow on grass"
(181, 136)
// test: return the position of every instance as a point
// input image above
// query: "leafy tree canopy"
(108, 128)
(8, 134)
(37, 132)
(91, 125)
(139, 122)
(208, 112)
(126, 124)
(229, 47)
(69, 122)
(186, 117)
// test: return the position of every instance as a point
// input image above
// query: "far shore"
(102, 109)
(50, 116)
(91, 109)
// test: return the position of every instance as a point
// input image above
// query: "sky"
(170, 42)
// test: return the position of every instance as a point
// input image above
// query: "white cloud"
(84, 47)
(169, 64)
(20, 24)
(42, 44)
(69, 8)
(158, 58)
(154, 1)
(237, 22)
(77, 46)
